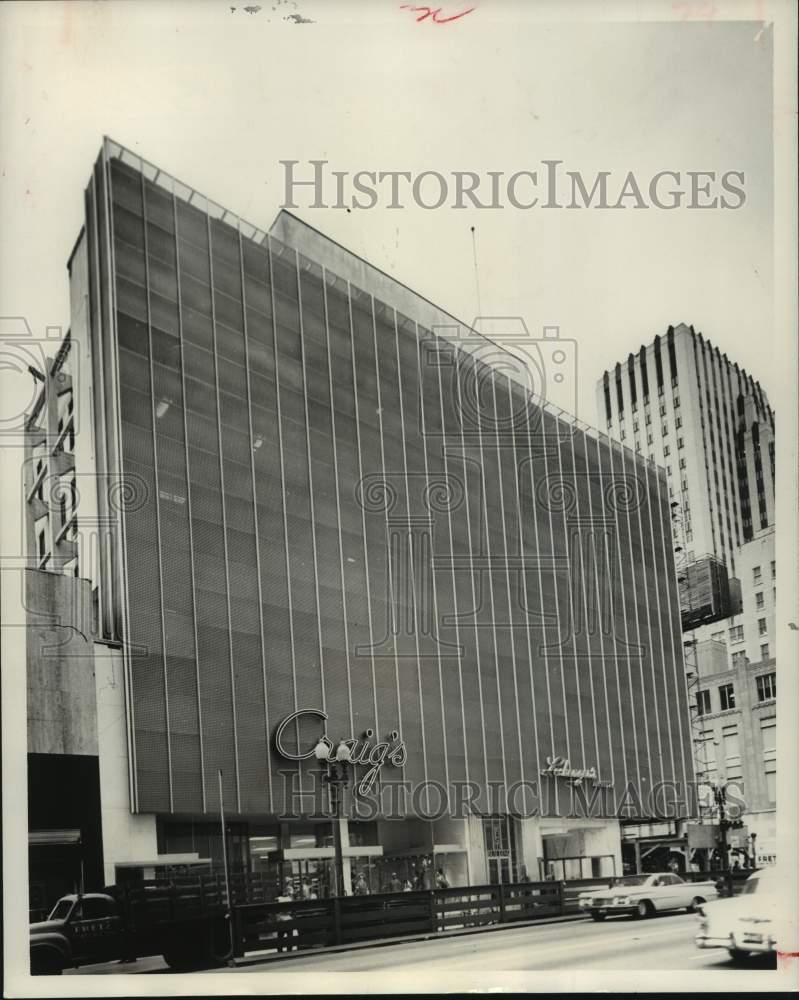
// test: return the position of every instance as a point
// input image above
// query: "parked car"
(646, 894)
(749, 923)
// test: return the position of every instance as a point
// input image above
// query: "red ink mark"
(434, 13)
(787, 954)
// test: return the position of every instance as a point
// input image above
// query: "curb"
(268, 957)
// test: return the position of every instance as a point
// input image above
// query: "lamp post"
(336, 776)
(720, 795)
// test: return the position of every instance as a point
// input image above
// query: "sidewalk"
(260, 957)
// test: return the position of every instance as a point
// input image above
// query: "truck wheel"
(185, 958)
(46, 963)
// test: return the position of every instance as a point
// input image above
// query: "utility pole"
(226, 865)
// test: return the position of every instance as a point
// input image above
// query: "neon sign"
(360, 751)
(560, 767)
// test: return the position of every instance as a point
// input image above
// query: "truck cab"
(79, 930)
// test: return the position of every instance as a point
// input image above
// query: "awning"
(163, 860)
(53, 838)
(317, 853)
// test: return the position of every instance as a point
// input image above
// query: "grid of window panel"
(331, 524)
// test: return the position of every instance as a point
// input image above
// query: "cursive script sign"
(560, 767)
(362, 752)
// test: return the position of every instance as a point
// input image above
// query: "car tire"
(644, 909)
(597, 916)
(695, 902)
(739, 955)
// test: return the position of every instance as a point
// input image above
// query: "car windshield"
(631, 880)
(760, 884)
(61, 909)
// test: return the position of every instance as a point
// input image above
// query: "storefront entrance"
(501, 852)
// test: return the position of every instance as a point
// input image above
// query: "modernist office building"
(325, 508)
(690, 409)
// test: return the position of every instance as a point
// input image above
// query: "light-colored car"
(646, 894)
(745, 924)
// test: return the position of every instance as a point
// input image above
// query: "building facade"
(733, 684)
(318, 513)
(709, 424)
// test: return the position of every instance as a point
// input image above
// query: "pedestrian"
(306, 890)
(361, 887)
(441, 879)
(408, 887)
(284, 918)
(395, 884)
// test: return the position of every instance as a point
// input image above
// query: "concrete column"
(477, 862)
(347, 863)
(531, 847)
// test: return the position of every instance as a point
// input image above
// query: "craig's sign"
(354, 750)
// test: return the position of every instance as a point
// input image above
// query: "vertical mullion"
(608, 494)
(651, 638)
(471, 556)
(391, 560)
(555, 593)
(457, 617)
(413, 618)
(283, 481)
(189, 507)
(224, 511)
(523, 574)
(584, 590)
(489, 561)
(363, 507)
(568, 544)
(511, 629)
(255, 524)
(310, 480)
(157, 494)
(640, 647)
(599, 606)
(431, 556)
(544, 644)
(344, 615)
(660, 624)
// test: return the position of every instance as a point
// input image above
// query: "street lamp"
(336, 776)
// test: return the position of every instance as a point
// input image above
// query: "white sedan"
(751, 922)
(643, 895)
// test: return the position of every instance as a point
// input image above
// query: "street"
(660, 943)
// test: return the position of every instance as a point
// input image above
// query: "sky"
(218, 96)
